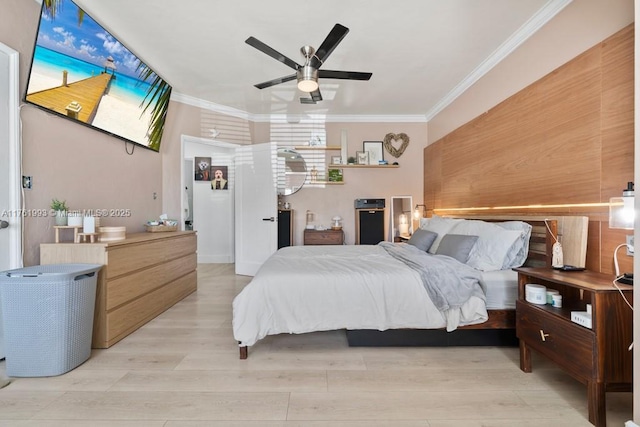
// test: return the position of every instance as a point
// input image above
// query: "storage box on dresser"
(143, 275)
(598, 357)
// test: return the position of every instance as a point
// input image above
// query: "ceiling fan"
(308, 73)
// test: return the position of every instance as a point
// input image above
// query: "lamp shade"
(622, 209)
(621, 212)
(403, 225)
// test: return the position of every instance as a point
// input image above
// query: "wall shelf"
(318, 147)
(325, 182)
(367, 166)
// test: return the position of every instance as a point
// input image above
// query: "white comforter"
(303, 289)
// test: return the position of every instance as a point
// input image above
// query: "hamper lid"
(49, 271)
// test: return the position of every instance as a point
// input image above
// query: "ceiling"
(422, 53)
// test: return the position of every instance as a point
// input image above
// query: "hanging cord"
(551, 232)
(618, 277)
(557, 258)
(133, 147)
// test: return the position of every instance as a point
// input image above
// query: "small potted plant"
(351, 160)
(59, 209)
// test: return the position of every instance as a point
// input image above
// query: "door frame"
(205, 256)
(15, 159)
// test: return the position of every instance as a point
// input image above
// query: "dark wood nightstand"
(598, 356)
(323, 237)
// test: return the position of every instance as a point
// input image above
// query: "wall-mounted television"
(81, 72)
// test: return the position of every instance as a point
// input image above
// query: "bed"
(416, 293)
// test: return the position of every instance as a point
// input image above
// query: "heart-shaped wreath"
(390, 138)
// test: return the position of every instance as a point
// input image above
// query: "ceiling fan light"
(307, 79)
(307, 85)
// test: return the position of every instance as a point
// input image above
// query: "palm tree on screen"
(157, 96)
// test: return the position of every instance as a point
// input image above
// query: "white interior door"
(256, 206)
(10, 215)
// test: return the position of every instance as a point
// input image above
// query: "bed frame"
(498, 330)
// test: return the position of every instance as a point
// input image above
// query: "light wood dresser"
(141, 277)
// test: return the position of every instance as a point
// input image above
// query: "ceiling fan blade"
(328, 45)
(276, 81)
(316, 95)
(252, 41)
(347, 75)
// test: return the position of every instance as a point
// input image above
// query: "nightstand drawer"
(567, 344)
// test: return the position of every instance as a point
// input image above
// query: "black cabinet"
(369, 226)
(285, 228)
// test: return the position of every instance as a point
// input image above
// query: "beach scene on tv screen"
(81, 71)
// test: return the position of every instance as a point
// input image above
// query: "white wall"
(213, 210)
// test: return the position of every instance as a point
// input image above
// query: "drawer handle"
(543, 335)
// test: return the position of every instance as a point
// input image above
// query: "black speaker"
(369, 226)
(285, 228)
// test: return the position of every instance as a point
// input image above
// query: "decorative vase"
(61, 217)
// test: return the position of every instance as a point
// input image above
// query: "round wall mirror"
(293, 168)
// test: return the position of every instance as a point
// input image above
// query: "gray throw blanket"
(449, 283)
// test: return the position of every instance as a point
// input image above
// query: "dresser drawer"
(128, 258)
(567, 344)
(129, 317)
(131, 286)
(323, 237)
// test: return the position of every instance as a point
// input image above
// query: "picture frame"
(202, 169)
(336, 160)
(219, 178)
(362, 157)
(375, 150)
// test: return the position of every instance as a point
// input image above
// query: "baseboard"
(630, 424)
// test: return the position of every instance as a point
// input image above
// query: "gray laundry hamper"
(47, 313)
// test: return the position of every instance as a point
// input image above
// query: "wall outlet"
(630, 245)
(27, 182)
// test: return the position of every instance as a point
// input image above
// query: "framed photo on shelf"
(375, 150)
(362, 157)
(336, 160)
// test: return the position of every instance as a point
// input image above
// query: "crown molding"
(208, 105)
(537, 21)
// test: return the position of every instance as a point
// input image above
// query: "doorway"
(209, 211)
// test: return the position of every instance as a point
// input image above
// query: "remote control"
(569, 268)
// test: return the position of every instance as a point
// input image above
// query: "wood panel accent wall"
(565, 139)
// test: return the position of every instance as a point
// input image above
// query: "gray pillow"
(422, 239)
(457, 246)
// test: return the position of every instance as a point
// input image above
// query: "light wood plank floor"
(182, 370)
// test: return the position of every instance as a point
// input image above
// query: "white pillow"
(441, 226)
(493, 245)
(519, 252)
